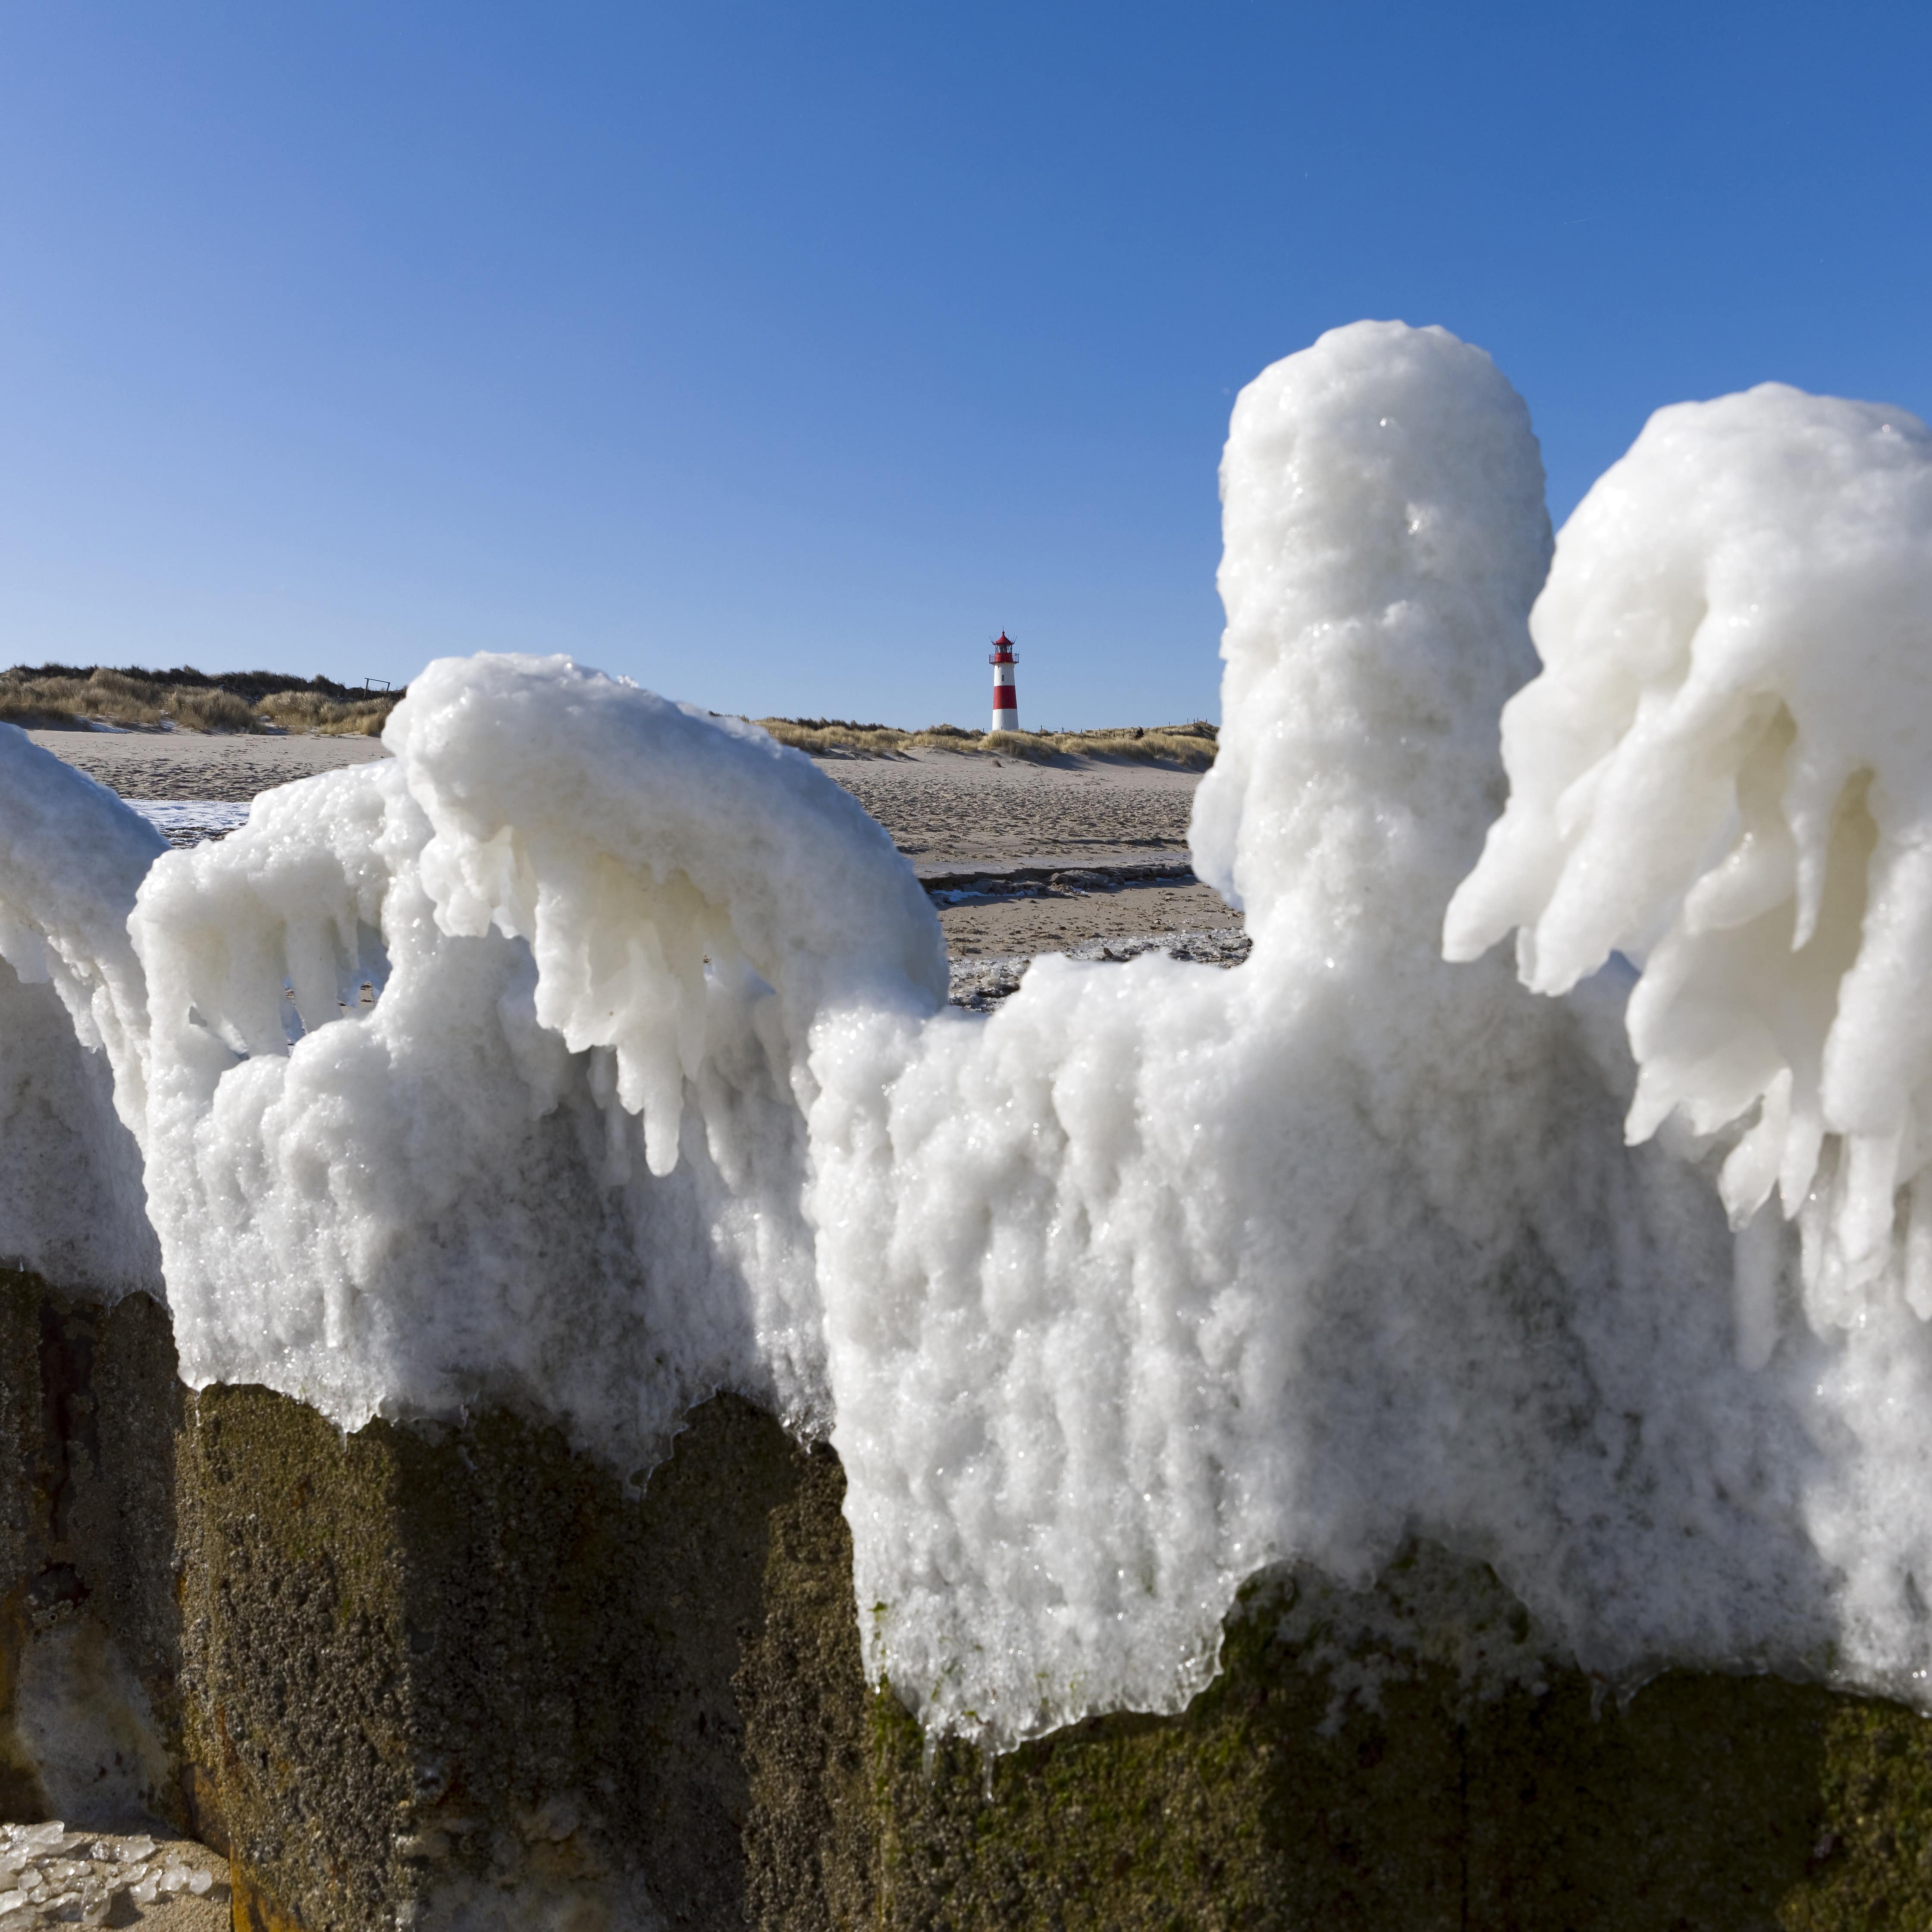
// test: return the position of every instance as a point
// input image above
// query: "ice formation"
(49, 1876)
(589, 1054)
(1158, 1275)
(479, 1071)
(83, 1728)
(1725, 770)
(72, 1018)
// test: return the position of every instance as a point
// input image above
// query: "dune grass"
(334, 718)
(819, 736)
(62, 696)
(1190, 746)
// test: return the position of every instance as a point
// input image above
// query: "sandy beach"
(200, 765)
(1021, 858)
(946, 809)
(1084, 827)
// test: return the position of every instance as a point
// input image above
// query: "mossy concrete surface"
(1397, 1759)
(464, 1676)
(1737, 1804)
(813, 1830)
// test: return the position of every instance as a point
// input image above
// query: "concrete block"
(90, 1404)
(1391, 1760)
(464, 1676)
(813, 1829)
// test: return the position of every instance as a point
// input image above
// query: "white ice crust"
(1159, 1276)
(72, 1018)
(1725, 770)
(480, 1071)
(588, 1055)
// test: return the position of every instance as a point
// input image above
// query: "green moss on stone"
(1392, 1760)
(1869, 1864)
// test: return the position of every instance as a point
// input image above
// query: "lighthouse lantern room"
(1006, 699)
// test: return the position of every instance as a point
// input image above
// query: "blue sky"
(778, 356)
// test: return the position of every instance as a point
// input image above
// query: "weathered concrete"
(463, 1676)
(89, 1629)
(812, 1840)
(1355, 1766)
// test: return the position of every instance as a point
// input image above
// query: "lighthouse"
(1006, 700)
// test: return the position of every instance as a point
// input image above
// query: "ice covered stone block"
(1155, 1277)
(72, 1028)
(1410, 1755)
(1721, 771)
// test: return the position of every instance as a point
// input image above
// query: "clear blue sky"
(778, 355)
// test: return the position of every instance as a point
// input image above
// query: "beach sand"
(958, 818)
(945, 809)
(198, 764)
(951, 814)
(1055, 921)
(115, 1859)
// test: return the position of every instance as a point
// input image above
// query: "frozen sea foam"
(1725, 770)
(1159, 1276)
(590, 1055)
(481, 1071)
(73, 1026)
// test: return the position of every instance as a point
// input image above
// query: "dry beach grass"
(1188, 747)
(57, 697)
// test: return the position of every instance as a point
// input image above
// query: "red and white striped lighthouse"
(1006, 700)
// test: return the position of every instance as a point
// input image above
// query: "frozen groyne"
(558, 1381)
